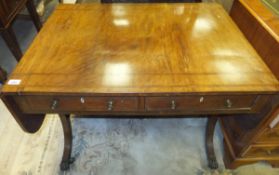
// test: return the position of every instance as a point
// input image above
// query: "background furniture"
(260, 139)
(8, 11)
(261, 27)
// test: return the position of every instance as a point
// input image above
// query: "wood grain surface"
(142, 48)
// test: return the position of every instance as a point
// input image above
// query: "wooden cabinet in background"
(251, 141)
(261, 27)
(255, 139)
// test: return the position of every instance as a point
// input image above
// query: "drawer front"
(200, 103)
(77, 104)
(110, 103)
(257, 151)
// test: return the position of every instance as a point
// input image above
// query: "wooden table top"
(268, 19)
(140, 48)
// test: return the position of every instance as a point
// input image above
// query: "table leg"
(33, 13)
(67, 130)
(211, 158)
(11, 41)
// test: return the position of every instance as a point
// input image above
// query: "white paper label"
(14, 82)
(274, 122)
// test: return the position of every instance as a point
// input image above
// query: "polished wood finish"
(8, 12)
(260, 25)
(29, 104)
(201, 103)
(200, 60)
(173, 104)
(147, 60)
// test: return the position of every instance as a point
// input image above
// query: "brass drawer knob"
(228, 103)
(110, 105)
(173, 105)
(54, 104)
(201, 99)
(82, 100)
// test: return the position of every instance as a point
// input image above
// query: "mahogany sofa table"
(139, 60)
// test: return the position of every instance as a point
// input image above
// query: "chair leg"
(3, 75)
(33, 13)
(10, 39)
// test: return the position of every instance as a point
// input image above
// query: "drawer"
(76, 104)
(110, 103)
(200, 103)
(257, 151)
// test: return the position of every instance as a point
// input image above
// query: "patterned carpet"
(113, 146)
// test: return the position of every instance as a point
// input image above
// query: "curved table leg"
(211, 158)
(67, 130)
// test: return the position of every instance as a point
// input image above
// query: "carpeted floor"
(109, 146)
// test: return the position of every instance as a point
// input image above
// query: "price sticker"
(14, 82)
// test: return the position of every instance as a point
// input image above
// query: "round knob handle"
(54, 104)
(110, 105)
(173, 105)
(228, 103)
